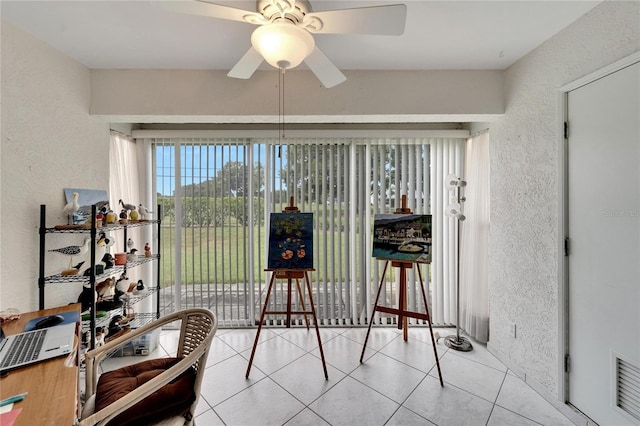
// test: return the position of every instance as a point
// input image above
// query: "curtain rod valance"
(332, 133)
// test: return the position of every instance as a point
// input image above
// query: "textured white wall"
(49, 142)
(366, 96)
(525, 186)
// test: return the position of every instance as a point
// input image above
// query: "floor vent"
(628, 388)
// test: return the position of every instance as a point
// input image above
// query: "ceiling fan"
(285, 27)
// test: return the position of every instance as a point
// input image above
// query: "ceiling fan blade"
(382, 20)
(328, 74)
(212, 10)
(247, 65)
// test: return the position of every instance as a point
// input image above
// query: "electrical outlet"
(512, 330)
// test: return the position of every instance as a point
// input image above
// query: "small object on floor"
(436, 336)
(458, 343)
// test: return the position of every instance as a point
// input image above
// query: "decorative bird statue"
(74, 250)
(130, 243)
(132, 256)
(71, 208)
(139, 288)
(127, 206)
(144, 212)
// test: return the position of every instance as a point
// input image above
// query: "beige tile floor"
(397, 384)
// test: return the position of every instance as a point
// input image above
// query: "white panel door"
(604, 230)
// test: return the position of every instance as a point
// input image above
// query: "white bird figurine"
(127, 206)
(71, 208)
(74, 250)
(130, 243)
(132, 256)
(143, 211)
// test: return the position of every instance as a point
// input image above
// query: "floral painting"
(402, 237)
(291, 241)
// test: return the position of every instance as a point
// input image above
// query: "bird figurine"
(130, 243)
(123, 283)
(144, 212)
(108, 239)
(127, 206)
(111, 217)
(73, 250)
(139, 287)
(71, 207)
(108, 261)
(132, 256)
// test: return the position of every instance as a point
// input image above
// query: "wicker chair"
(197, 328)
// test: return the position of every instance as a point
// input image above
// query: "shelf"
(139, 320)
(83, 229)
(92, 279)
(116, 270)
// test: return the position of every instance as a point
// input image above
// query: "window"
(221, 191)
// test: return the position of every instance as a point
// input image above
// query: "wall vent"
(628, 388)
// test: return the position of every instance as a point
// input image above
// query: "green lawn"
(211, 255)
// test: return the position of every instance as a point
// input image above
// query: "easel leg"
(315, 321)
(288, 320)
(264, 310)
(433, 340)
(402, 302)
(373, 311)
(306, 320)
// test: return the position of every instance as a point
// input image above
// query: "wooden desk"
(52, 384)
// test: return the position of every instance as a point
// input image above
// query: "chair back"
(197, 330)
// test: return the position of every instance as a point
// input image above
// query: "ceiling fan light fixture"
(282, 44)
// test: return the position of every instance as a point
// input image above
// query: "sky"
(199, 163)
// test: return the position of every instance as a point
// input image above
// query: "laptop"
(30, 347)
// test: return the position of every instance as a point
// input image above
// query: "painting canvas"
(402, 237)
(291, 241)
(86, 198)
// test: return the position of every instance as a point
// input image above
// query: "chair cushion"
(171, 400)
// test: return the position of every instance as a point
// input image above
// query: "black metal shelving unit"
(92, 278)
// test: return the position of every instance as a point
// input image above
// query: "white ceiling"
(450, 34)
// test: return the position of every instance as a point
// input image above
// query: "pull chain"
(281, 111)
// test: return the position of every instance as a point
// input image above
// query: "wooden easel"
(290, 275)
(402, 312)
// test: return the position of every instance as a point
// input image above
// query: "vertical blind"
(218, 193)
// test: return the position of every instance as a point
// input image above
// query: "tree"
(309, 169)
(230, 181)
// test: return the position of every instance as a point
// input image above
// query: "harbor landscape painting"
(402, 237)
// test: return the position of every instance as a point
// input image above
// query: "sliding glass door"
(217, 195)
